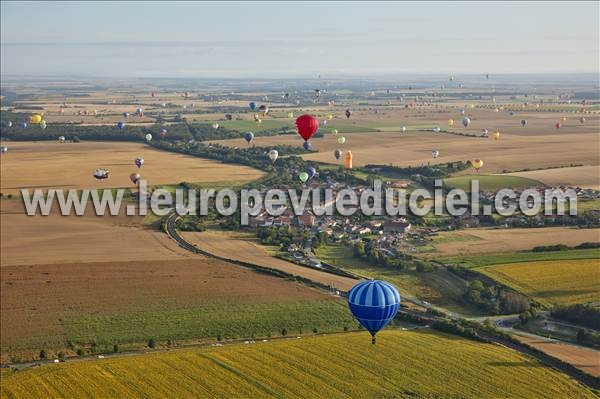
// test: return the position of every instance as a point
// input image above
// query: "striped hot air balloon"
(374, 303)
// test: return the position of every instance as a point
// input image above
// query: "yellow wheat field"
(402, 364)
(562, 282)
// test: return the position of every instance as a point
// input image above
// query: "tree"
(151, 343)
(80, 352)
(43, 354)
(284, 332)
(115, 348)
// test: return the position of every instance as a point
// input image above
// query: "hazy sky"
(241, 39)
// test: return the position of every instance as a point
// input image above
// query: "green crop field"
(490, 182)
(228, 321)
(251, 125)
(518, 257)
(402, 364)
(565, 282)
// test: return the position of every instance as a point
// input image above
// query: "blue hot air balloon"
(306, 145)
(374, 303)
(120, 125)
(311, 172)
(24, 125)
(248, 136)
(252, 105)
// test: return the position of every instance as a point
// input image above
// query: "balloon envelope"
(477, 163)
(252, 105)
(374, 303)
(307, 125)
(36, 118)
(120, 125)
(466, 121)
(273, 154)
(134, 177)
(306, 145)
(248, 136)
(341, 140)
(337, 154)
(303, 177)
(148, 137)
(311, 172)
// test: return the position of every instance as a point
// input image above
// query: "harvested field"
(71, 165)
(243, 247)
(585, 359)
(512, 152)
(580, 176)
(552, 282)
(483, 240)
(55, 239)
(46, 306)
(433, 365)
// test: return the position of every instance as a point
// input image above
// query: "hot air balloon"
(252, 105)
(341, 140)
(466, 121)
(435, 153)
(228, 117)
(101, 174)
(311, 172)
(306, 145)
(303, 177)
(61, 139)
(290, 115)
(264, 109)
(348, 160)
(10, 124)
(337, 153)
(307, 125)
(374, 303)
(43, 124)
(152, 94)
(256, 117)
(523, 122)
(348, 113)
(24, 125)
(148, 137)
(335, 131)
(462, 111)
(496, 110)
(403, 129)
(120, 125)
(477, 164)
(248, 136)
(582, 120)
(215, 125)
(496, 135)
(485, 132)
(273, 154)
(324, 122)
(134, 177)
(3, 149)
(451, 78)
(437, 129)
(564, 118)
(126, 114)
(317, 93)
(329, 116)
(140, 112)
(558, 125)
(162, 133)
(450, 122)
(139, 162)
(36, 118)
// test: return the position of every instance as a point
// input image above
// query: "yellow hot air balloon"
(564, 118)
(496, 110)
(329, 116)
(450, 122)
(36, 118)
(477, 164)
(335, 131)
(290, 115)
(256, 117)
(341, 140)
(496, 135)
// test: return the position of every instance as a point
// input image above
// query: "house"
(400, 225)
(306, 219)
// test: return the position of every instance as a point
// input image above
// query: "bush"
(80, 352)
(76, 139)
(115, 348)
(284, 332)
(423, 266)
(43, 354)
(151, 343)
(61, 356)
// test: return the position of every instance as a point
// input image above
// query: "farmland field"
(490, 182)
(581, 176)
(71, 165)
(245, 248)
(484, 240)
(63, 307)
(585, 359)
(411, 364)
(552, 282)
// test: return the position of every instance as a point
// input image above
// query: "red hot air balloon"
(307, 125)
(557, 125)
